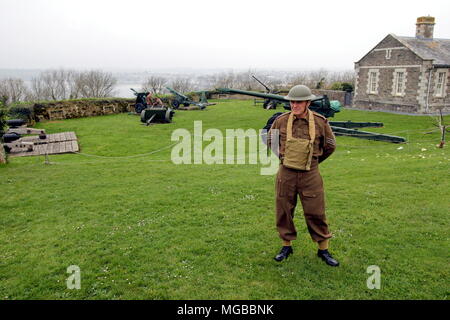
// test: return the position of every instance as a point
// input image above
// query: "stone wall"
(59, 110)
(385, 106)
(332, 94)
(439, 102)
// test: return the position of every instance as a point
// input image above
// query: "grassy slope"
(144, 228)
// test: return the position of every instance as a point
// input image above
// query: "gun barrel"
(15, 123)
(254, 94)
(177, 93)
(339, 131)
(267, 88)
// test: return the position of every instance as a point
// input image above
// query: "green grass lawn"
(141, 227)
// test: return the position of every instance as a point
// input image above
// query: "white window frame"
(440, 87)
(399, 82)
(373, 82)
(388, 53)
(373, 77)
(399, 88)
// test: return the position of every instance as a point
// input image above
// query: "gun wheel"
(139, 107)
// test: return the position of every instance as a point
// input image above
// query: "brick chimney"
(424, 27)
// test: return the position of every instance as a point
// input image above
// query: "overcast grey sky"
(196, 34)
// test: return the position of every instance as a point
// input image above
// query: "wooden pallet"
(55, 143)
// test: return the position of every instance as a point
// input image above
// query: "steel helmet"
(300, 93)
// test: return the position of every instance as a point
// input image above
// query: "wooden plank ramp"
(55, 143)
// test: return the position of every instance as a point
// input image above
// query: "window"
(372, 83)
(399, 82)
(440, 84)
(388, 53)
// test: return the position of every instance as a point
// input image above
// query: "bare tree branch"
(154, 84)
(13, 90)
(95, 84)
(182, 85)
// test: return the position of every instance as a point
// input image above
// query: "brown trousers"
(309, 186)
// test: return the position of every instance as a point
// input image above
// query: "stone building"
(406, 74)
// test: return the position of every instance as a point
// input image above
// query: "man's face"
(299, 107)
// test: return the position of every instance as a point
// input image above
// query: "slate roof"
(437, 50)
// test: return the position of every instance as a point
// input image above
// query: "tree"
(342, 80)
(154, 84)
(182, 85)
(55, 85)
(95, 84)
(342, 86)
(299, 78)
(224, 80)
(39, 90)
(318, 78)
(245, 81)
(69, 84)
(13, 90)
(274, 83)
(3, 114)
(442, 128)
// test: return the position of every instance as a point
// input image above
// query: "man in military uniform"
(305, 140)
(153, 101)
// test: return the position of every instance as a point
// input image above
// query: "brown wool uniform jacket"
(324, 143)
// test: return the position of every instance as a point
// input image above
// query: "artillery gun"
(13, 136)
(326, 108)
(268, 103)
(150, 114)
(181, 99)
(140, 103)
(157, 114)
(320, 105)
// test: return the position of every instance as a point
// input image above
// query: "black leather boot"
(327, 257)
(284, 253)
